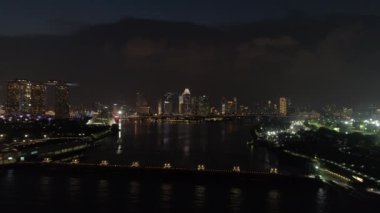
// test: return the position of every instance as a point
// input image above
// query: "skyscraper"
(185, 106)
(229, 107)
(19, 97)
(283, 106)
(159, 107)
(142, 107)
(62, 108)
(168, 103)
(38, 98)
(203, 105)
(61, 98)
(180, 104)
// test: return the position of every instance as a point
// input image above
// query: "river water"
(216, 145)
(219, 145)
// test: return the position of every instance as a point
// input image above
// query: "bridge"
(166, 172)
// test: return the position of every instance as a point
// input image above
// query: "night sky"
(57, 16)
(315, 51)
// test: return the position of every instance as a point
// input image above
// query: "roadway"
(139, 171)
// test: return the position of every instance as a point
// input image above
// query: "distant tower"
(142, 107)
(159, 107)
(38, 100)
(283, 106)
(168, 103)
(203, 105)
(62, 108)
(186, 95)
(223, 107)
(180, 104)
(235, 106)
(19, 97)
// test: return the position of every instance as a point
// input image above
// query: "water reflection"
(92, 193)
(200, 196)
(166, 196)
(321, 200)
(45, 187)
(119, 150)
(217, 145)
(134, 192)
(273, 201)
(102, 190)
(74, 186)
(235, 199)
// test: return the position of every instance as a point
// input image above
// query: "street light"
(236, 169)
(167, 166)
(201, 167)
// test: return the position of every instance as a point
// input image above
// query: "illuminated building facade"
(185, 102)
(19, 97)
(229, 107)
(203, 105)
(38, 98)
(283, 106)
(142, 107)
(159, 107)
(168, 103)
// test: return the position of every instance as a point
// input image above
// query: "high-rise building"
(19, 94)
(283, 106)
(38, 98)
(61, 98)
(203, 105)
(142, 107)
(223, 108)
(180, 104)
(185, 102)
(229, 107)
(194, 105)
(168, 103)
(62, 107)
(159, 107)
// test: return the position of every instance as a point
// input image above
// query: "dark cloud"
(316, 62)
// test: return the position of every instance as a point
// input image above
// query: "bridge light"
(135, 164)
(103, 163)
(273, 170)
(167, 166)
(201, 167)
(46, 160)
(75, 161)
(236, 169)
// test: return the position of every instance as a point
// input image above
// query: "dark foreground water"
(22, 191)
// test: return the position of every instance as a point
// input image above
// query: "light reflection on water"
(235, 199)
(321, 200)
(273, 201)
(166, 196)
(200, 196)
(92, 193)
(217, 145)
